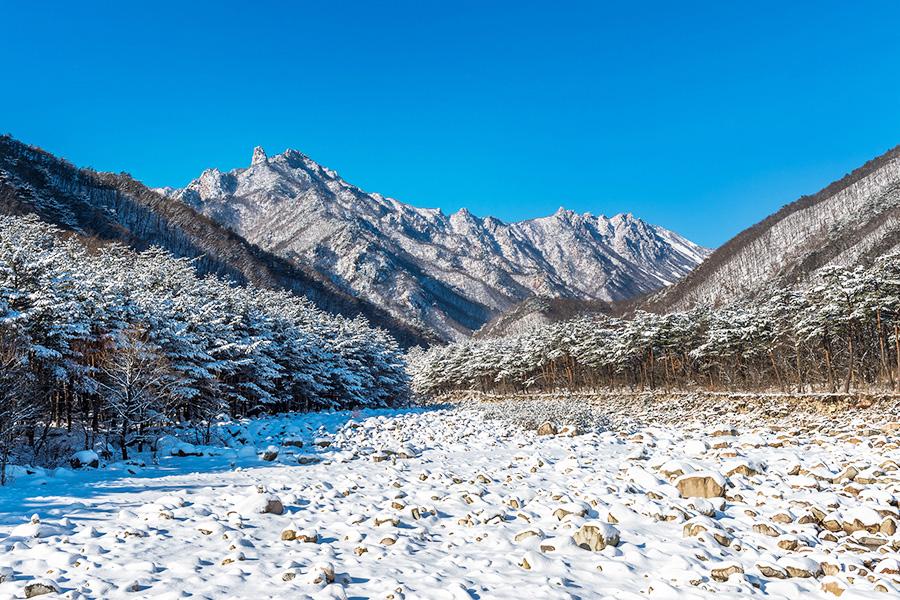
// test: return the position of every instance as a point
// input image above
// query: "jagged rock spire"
(259, 156)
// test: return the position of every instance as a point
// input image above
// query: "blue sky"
(702, 117)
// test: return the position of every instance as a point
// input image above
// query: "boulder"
(40, 587)
(547, 428)
(273, 506)
(596, 536)
(701, 485)
(85, 458)
(724, 572)
(185, 449)
(289, 534)
(772, 571)
(800, 566)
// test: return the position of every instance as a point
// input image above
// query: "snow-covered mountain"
(107, 207)
(851, 221)
(446, 273)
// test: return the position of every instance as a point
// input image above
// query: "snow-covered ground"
(457, 503)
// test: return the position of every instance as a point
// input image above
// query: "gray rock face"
(445, 273)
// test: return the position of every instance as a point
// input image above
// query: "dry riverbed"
(537, 499)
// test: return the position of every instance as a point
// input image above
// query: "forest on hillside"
(116, 344)
(840, 334)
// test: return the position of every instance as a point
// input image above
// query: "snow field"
(460, 503)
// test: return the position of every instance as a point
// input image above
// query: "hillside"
(852, 220)
(116, 207)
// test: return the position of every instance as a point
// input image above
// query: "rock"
(570, 430)
(323, 572)
(848, 474)
(799, 566)
(695, 447)
(391, 520)
(832, 523)
(788, 542)
(832, 585)
(406, 453)
(40, 587)
(703, 507)
(230, 559)
(570, 509)
(270, 454)
(308, 536)
(699, 525)
(184, 449)
(547, 428)
(783, 517)
(274, 506)
(701, 485)
(723, 431)
(772, 571)
(862, 518)
(888, 566)
(723, 573)
(596, 536)
(742, 468)
(308, 459)
(528, 533)
(766, 529)
(292, 442)
(85, 458)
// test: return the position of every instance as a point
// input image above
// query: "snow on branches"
(841, 333)
(129, 340)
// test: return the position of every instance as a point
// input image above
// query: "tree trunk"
(123, 436)
(830, 371)
(851, 364)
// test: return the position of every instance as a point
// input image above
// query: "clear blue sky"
(702, 117)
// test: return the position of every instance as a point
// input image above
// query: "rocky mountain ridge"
(449, 274)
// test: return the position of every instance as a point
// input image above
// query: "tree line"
(839, 334)
(108, 341)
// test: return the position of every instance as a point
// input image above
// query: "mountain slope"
(118, 208)
(537, 312)
(850, 221)
(446, 273)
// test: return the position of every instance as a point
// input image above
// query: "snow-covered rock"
(85, 458)
(450, 273)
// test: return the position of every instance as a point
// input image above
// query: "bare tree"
(136, 383)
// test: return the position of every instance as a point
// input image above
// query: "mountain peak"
(450, 273)
(259, 156)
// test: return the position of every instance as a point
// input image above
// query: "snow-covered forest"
(840, 334)
(106, 340)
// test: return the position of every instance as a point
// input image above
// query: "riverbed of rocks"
(612, 499)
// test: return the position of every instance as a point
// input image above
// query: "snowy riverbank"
(463, 502)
